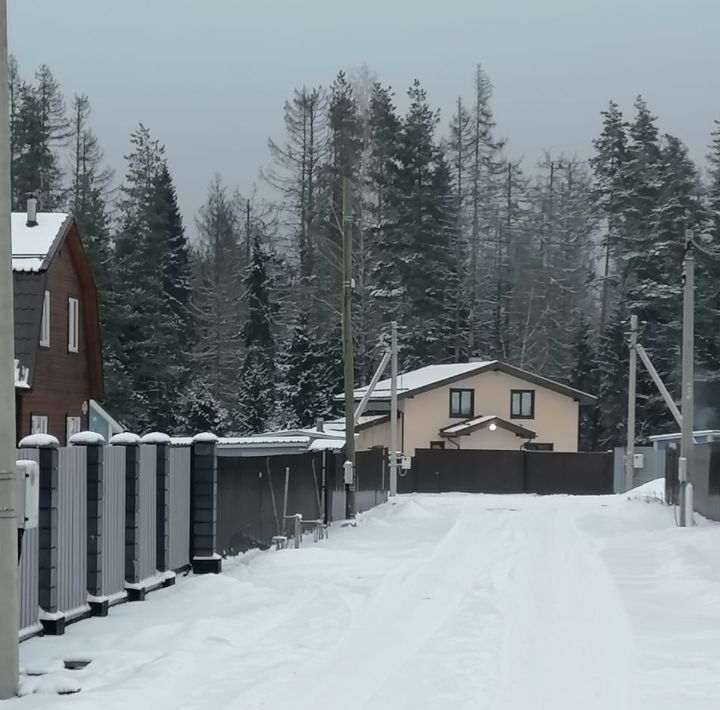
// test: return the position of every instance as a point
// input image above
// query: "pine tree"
(257, 403)
(586, 378)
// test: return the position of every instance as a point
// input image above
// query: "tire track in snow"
(568, 641)
(371, 665)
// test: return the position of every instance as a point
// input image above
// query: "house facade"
(479, 405)
(58, 356)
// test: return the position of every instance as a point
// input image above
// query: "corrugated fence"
(76, 562)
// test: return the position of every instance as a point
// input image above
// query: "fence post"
(52, 621)
(131, 442)
(162, 515)
(95, 455)
(203, 505)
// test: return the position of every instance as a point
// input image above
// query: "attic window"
(45, 322)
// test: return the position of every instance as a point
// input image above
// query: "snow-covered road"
(434, 602)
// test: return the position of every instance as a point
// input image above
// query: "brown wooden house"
(58, 357)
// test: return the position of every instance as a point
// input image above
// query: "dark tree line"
(474, 253)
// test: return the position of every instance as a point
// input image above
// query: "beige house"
(476, 405)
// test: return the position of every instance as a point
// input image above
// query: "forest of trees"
(234, 326)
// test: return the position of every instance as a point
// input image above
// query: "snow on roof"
(462, 426)
(424, 377)
(263, 441)
(21, 375)
(30, 245)
(327, 445)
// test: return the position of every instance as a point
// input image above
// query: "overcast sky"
(209, 77)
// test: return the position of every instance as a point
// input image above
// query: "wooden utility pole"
(348, 350)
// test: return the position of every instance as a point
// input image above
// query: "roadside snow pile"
(650, 492)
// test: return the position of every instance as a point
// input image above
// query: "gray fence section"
(179, 506)
(653, 467)
(147, 562)
(29, 568)
(72, 529)
(113, 539)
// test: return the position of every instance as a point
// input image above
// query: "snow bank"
(652, 490)
(155, 437)
(87, 438)
(125, 439)
(38, 441)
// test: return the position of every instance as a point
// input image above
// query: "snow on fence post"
(47, 447)
(203, 505)
(94, 451)
(162, 517)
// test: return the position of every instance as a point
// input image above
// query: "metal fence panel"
(29, 568)
(113, 534)
(72, 528)
(147, 519)
(179, 506)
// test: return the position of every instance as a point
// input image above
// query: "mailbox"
(27, 503)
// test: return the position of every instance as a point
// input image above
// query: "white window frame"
(45, 322)
(73, 324)
(39, 424)
(73, 425)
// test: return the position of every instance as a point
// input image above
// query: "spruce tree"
(257, 386)
(608, 164)
(40, 129)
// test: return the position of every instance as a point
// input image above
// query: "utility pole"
(632, 385)
(393, 411)
(9, 601)
(688, 337)
(348, 347)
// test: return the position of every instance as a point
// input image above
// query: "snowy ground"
(436, 602)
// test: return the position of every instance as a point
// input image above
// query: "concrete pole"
(9, 601)
(632, 385)
(393, 412)
(688, 376)
(348, 346)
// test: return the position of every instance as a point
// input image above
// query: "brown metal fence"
(480, 471)
(705, 477)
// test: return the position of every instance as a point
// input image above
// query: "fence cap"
(205, 438)
(87, 438)
(155, 437)
(39, 441)
(125, 439)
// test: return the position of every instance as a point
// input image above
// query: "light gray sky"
(209, 77)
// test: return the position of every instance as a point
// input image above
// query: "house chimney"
(31, 211)
(320, 424)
